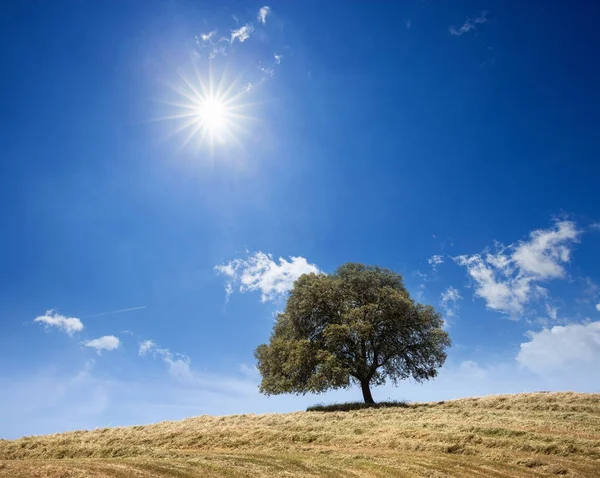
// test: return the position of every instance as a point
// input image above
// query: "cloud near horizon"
(563, 349)
(259, 272)
(83, 399)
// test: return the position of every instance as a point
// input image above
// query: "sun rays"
(208, 112)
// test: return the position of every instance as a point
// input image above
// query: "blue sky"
(169, 168)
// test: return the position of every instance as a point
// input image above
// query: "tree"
(355, 326)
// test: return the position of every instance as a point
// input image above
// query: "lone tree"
(355, 326)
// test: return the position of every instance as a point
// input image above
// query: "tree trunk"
(366, 391)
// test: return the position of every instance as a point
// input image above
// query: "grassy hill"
(538, 434)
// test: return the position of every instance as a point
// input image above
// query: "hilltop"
(533, 434)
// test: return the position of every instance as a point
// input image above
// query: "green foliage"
(358, 325)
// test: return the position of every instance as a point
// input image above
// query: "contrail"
(115, 311)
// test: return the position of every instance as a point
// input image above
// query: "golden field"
(533, 434)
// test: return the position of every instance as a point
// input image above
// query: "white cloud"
(598, 307)
(435, 261)
(70, 325)
(508, 279)
(543, 254)
(179, 364)
(208, 36)
(262, 14)
(242, 33)
(260, 272)
(573, 349)
(469, 24)
(108, 342)
(146, 346)
(449, 301)
(408, 23)
(552, 312)
(278, 58)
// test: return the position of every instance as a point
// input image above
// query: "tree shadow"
(349, 406)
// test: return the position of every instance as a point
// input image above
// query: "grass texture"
(533, 434)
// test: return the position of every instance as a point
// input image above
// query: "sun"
(208, 113)
(213, 114)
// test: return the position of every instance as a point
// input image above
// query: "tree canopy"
(358, 325)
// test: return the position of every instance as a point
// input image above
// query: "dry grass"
(540, 434)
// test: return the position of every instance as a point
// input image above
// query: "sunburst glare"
(212, 114)
(209, 113)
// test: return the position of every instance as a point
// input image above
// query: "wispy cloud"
(242, 33)
(449, 301)
(146, 346)
(216, 43)
(552, 312)
(435, 261)
(69, 325)
(259, 272)
(262, 14)
(179, 364)
(420, 294)
(249, 371)
(470, 24)
(108, 342)
(470, 369)
(509, 278)
(598, 307)
(180, 369)
(408, 23)
(208, 36)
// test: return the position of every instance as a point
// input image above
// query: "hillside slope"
(540, 434)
